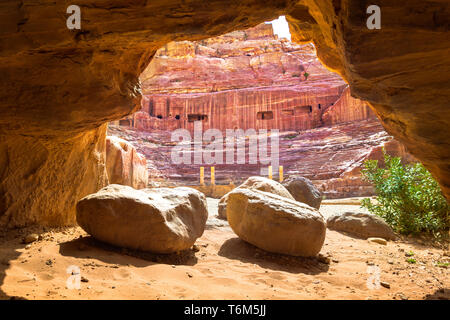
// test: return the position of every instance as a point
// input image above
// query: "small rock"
(378, 240)
(189, 274)
(390, 261)
(49, 262)
(83, 279)
(323, 259)
(28, 246)
(335, 260)
(31, 238)
(195, 248)
(385, 284)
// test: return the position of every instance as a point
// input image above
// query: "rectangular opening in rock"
(197, 117)
(264, 115)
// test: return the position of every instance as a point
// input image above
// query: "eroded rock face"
(91, 77)
(246, 79)
(274, 223)
(229, 80)
(255, 183)
(331, 157)
(42, 179)
(410, 103)
(160, 220)
(363, 225)
(349, 182)
(303, 190)
(124, 164)
(347, 109)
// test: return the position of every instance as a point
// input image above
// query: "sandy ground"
(221, 266)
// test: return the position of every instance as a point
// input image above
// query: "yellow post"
(280, 170)
(213, 178)
(202, 175)
(270, 172)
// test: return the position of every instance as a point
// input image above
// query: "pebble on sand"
(31, 238)
(378, 240)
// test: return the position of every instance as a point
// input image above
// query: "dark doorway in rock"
(125, 122)
(197, 117)
(264, 115)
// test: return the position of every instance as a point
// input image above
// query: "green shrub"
(408, 197)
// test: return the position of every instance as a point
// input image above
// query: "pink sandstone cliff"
(244, 79)
(251, 79)
(124, 165)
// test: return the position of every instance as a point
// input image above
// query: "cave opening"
(249, 80)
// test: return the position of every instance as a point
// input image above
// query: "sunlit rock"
(160, 220)
(255, 183)
(124, 164)
(303, 190)
(274, 223)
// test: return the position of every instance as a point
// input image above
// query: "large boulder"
(255, 183)
(303, 190)
(275, 223)
(124, 164)
(160, 220)
(364, 225)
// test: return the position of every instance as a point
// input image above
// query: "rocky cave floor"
(220, 266)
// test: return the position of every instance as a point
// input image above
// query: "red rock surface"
(325, 133)
(235, 80)
(124, 165)
(330, 156)
(347, 109)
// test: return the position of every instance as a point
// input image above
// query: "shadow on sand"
(440, 294)
(8, 252)
(237, 249)
(88, 247)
